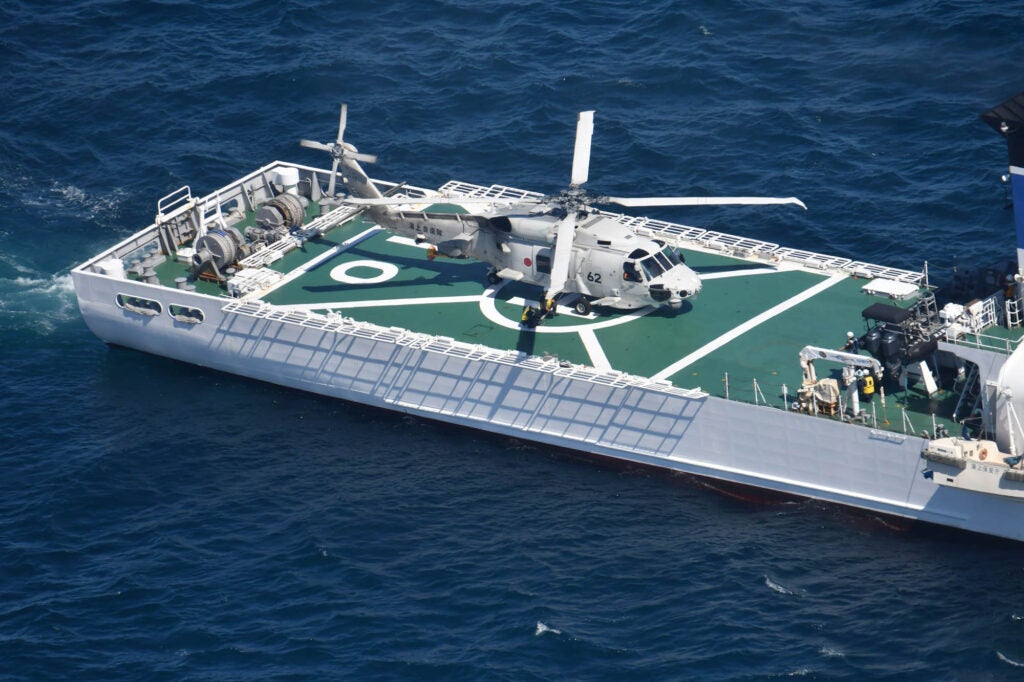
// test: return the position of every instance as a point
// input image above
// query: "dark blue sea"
(163, 521)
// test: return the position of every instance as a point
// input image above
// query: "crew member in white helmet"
(852, 346)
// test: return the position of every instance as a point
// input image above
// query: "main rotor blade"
(581, 154)
(701, 201)
(341, 121)
(438, 199)
(312, 144)
(359, 156)
(334, 177)
(563, 254)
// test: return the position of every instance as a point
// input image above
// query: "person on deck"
(852, 345)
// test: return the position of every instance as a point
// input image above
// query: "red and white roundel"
(527, 262)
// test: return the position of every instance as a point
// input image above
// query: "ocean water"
(162, 521)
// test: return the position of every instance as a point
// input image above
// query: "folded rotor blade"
(563, 254)
(437, 199)
(701, 201)
(359, 156)
(581, 154)
(312, 144)
(341, 121)
(334, 177)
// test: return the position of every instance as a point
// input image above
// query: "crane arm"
(811, 353)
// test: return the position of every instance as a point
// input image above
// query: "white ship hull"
(629, 419)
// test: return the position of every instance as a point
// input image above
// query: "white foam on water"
(15, 264)
(37, 302)
(79, 201)
(542, 628)
(69, 193)
(777, 587)
(1007, 659)
(829, 652)
(53, 285)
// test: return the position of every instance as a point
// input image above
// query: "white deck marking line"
(562, 309)
(325, 256)
(747, 326)
(738, 273)
(382, 303)
(490, 311)
(405, 241)
(597, 357)
(345, 245)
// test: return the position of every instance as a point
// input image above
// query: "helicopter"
(555, 242)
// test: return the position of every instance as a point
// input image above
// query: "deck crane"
(826, 391)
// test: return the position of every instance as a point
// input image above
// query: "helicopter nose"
(688, 285)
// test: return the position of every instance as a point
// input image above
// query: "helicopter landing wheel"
(582, 306)
(492, 277)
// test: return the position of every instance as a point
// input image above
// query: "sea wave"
(776, 587)
(37, 304)
(544, 629)
(1006, 659)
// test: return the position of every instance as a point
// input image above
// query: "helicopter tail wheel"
(582, 306)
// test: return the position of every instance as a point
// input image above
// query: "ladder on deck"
(970, 394)
(987, 316)
(1013, 312)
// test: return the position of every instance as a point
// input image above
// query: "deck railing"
(695, 237)
(996, 344)
(334, 322)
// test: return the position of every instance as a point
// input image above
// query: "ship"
(757, 365)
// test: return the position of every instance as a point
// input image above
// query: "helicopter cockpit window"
(668, 252)
(652, 267)
(629, 272)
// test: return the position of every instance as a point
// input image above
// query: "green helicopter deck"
(740, 338)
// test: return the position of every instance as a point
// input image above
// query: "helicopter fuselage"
(610, 265)
(555, 242)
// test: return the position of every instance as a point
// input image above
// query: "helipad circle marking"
(387, 271)
(490, 310)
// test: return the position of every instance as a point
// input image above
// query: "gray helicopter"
(554, 242)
